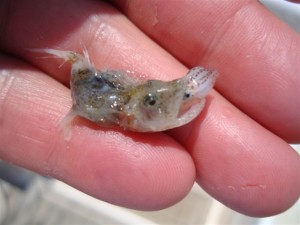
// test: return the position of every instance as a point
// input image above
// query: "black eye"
(187, 95)
(150, 99)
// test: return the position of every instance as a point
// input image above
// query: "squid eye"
(150, 100)
(187, 95)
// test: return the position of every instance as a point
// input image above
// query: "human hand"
(236, 149)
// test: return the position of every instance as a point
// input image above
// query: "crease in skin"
(244, 187)
(231, 187)
(100, 32)
(154, 19)
(247, 186)
(151, 11)
(6, 81)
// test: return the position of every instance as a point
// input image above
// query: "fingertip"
(240, 163)
(243, 165)
(144, 172)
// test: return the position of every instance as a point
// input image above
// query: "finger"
(111, 40)
(240, 163)
(142, 171)
(256, 54)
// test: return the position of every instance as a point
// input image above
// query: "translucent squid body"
(112, 98)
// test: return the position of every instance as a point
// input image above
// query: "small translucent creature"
(112, 98)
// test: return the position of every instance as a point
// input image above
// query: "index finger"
(256, 54)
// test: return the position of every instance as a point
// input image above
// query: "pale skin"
(237, 149)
